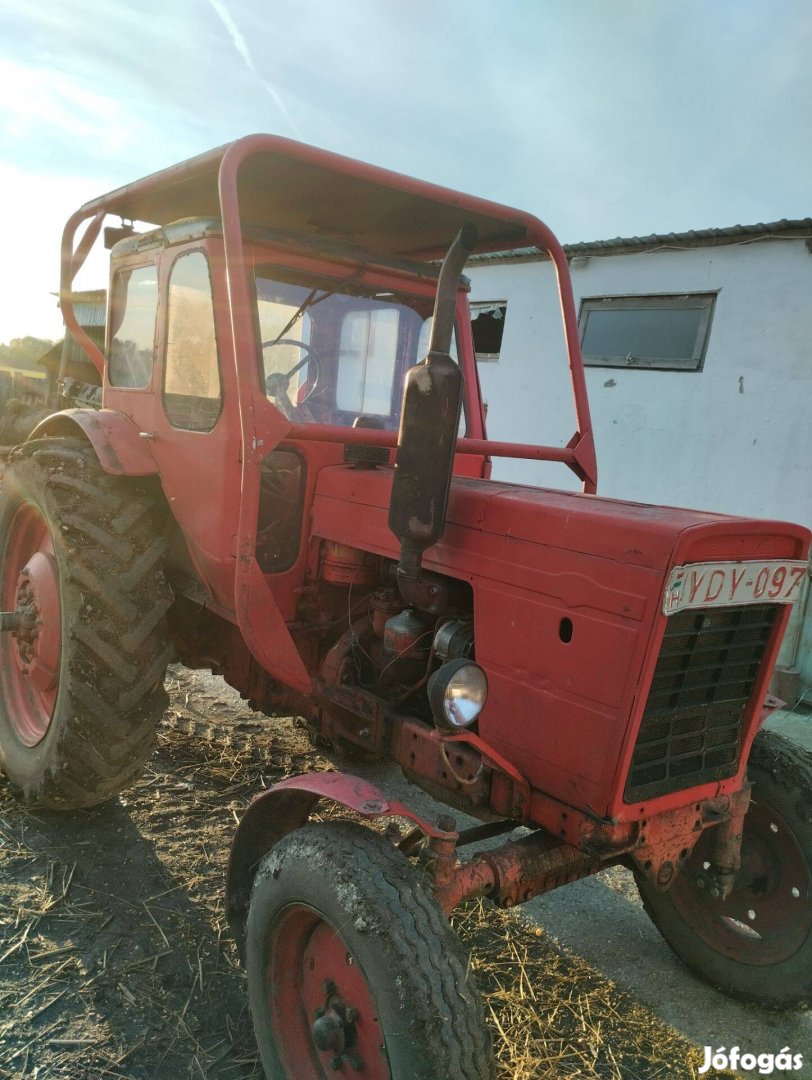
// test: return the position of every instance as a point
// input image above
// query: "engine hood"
(630, 533)
(568, 594)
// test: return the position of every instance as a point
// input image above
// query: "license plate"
(728, 584)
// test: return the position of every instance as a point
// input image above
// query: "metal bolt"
(328, 986)
(351, 1015)
(337, 1062)
(665, 873)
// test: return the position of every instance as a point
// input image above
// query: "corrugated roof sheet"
(626, 245)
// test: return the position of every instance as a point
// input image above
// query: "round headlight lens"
(457, 694)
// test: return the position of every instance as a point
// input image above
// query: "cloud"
(46, 101)
(241, 46)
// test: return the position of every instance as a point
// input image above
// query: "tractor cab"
(334, 340)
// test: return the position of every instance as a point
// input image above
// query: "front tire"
(81, 676)
(756, 944)
(340, 924)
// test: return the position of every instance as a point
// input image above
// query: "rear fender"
(287, 806)
(115, 438)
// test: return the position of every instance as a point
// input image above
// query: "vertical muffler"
(429, 421)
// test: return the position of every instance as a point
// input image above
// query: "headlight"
(457, 694)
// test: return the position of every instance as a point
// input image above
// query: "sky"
(603, 117)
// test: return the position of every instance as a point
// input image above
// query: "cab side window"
(193, 392)
(132, 335)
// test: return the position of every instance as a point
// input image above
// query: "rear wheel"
(83, 657)
(757, 943)
(352, 966)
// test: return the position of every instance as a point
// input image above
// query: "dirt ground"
(115, 959)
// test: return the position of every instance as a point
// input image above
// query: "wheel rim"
(768, 916)
(317, 992)
(30, 655)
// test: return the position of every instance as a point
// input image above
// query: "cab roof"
(289, 185)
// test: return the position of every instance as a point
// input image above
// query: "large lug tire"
(340, 921)
(756, 944)
(81, 679)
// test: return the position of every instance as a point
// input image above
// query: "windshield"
(330, 357)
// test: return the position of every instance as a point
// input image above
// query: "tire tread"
(397, 902)
(115, 645)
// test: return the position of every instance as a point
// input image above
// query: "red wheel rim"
(29, 656)
(310, 970)
(768, 916)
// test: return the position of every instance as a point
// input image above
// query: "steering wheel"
(276, 384)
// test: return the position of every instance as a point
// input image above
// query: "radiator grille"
(691, 729)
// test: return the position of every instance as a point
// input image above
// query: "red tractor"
(288, 482)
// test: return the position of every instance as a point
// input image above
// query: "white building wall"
(734, 437)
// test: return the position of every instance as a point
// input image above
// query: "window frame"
(704, 302)
(480, 306)
(170, 269)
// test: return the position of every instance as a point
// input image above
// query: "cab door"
(164, 371)
(194, 438)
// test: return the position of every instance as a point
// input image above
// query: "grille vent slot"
(691, 729)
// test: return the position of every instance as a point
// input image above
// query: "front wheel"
(757, 943)
(352, 967)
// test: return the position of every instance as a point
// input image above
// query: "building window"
(367, 357)
(487, 324)
(668, 333)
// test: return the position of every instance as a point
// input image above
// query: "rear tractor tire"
(757, 943)
(352, 968)
(83, 655)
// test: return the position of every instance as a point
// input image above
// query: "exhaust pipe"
(429, 421)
